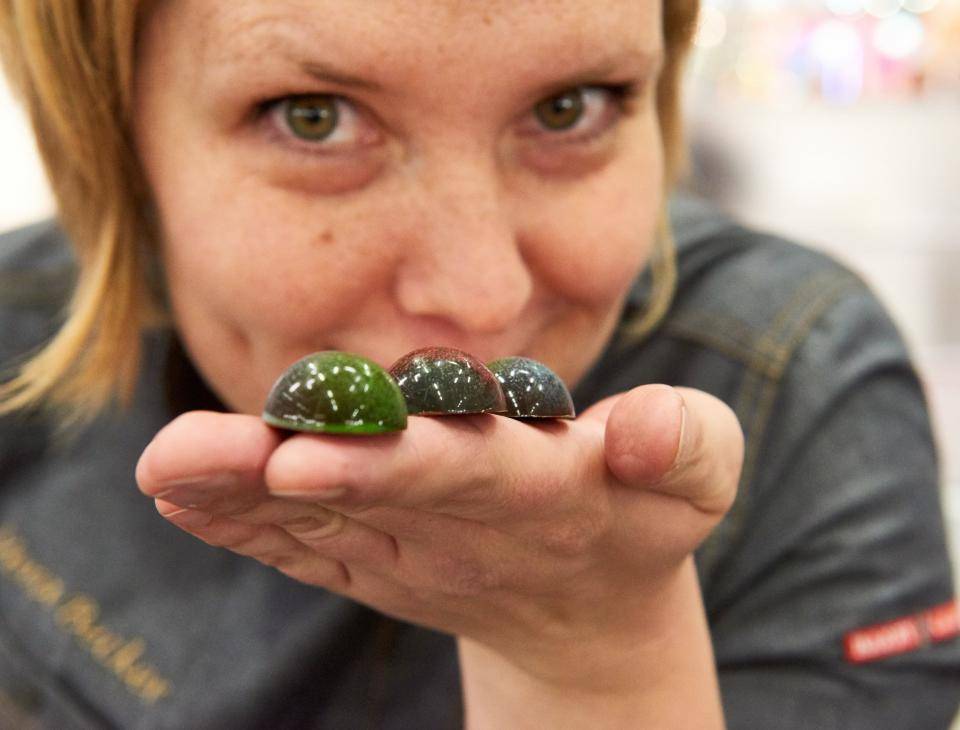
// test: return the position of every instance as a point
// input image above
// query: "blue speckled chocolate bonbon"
(336, 392)
(531, 389)
(437, 381)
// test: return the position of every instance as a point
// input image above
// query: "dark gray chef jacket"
(827, 586)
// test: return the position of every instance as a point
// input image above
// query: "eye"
(312, 118)
(320, 122)
(561, 112)
(589, 110)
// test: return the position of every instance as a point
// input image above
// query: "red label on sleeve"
(943, 622)
(903, 634)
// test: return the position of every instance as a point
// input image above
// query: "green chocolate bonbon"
(338, 393)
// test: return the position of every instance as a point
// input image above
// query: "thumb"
(677, 441)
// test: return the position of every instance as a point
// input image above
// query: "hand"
(527, 538)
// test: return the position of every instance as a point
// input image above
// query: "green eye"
(561, 112)
(313, 118)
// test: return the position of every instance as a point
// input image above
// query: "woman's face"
(380, 175)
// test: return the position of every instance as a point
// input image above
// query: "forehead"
(382, 33)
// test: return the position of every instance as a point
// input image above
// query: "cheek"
(590, 243)
(267, 261)
(246, 255)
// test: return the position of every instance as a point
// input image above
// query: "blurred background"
(835, 122)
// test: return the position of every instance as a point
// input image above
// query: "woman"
(298, 176)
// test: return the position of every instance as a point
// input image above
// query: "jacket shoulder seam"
(767, 363)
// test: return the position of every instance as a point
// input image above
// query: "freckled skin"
(561, 557)
(454, 218)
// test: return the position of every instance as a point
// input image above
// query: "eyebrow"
(327, 72)
(647, 63)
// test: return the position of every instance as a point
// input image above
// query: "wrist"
(662, 671)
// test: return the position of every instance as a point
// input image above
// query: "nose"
(462, 259)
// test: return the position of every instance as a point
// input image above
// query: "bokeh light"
(845, 7)
(882, 8)
(838, 52)
(920, 6)
(712, 28)
(899, 37)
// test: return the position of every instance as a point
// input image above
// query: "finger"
(202, 457)
(677, 441)
(266, 543)
(270, 526)
(330, 533)
(472, 466)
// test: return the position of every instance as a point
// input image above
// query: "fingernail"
(195, 491)
(186, 517)
(315, 495)
(188, 497)
(687, 435)
(207, 481)
(193, 518)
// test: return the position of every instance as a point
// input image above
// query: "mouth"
(385, 344)
(386, 353)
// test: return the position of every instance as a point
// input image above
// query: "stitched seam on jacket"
(734, 338)
(761, 385)
(714, 332)
(793, 332)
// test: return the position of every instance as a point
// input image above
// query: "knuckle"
(316, 528)
(282, 560)
(531, 497)
(579, 531)
(479, 463)
(322, 572)
(464, 578)
(193, 419)
(570, 538)
(303, 464)
(483, 473)
(245, 542)
(408, 471)
(340, 472)
(230, 507)
(276, 557)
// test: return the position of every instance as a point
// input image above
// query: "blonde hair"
(71, 65)
(679, 26)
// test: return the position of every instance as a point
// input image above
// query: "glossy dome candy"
(531, 389)
(336, 392)
(445, 381)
